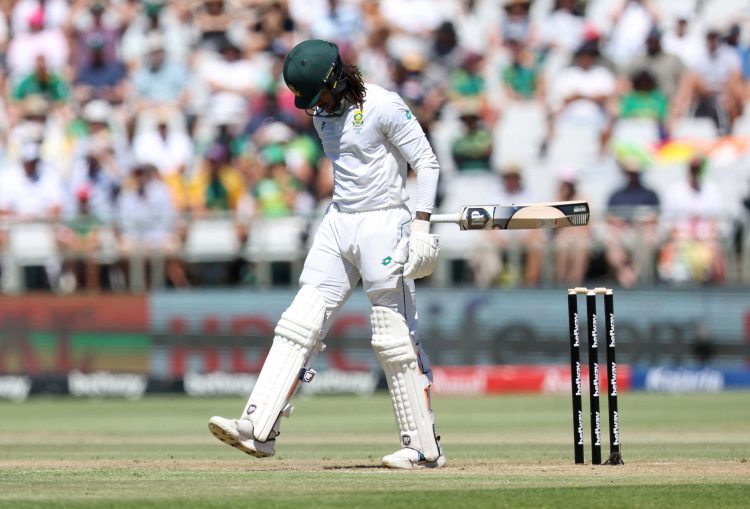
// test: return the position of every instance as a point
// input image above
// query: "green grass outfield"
(686, 451)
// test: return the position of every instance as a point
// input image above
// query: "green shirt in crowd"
(54, 89)
(652, 104)
(521, 79)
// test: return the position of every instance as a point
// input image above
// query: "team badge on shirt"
(358, 121)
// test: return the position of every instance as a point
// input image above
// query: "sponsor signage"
(15, 388)
(214, 342)
(106, 384)
(679, 380)
(548, 379)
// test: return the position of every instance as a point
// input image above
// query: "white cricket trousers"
(350, 246)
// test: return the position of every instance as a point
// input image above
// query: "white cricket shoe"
(239, 433)
(411, 458)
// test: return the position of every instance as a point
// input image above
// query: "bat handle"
(445, 218)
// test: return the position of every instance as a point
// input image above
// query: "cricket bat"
(528, 216)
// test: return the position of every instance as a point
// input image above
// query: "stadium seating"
(695, 128)
(643, 131)
(212, 240)
(29, 245)
(520, 133)
(574, 145)
(275, 240)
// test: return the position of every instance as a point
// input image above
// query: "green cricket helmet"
(310, 66)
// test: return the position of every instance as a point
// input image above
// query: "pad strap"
(296, 337)
(409, 387)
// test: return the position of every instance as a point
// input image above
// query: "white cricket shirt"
(370, 148)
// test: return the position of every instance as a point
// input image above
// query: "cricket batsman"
(367, 233)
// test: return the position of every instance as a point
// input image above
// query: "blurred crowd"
(135, 117)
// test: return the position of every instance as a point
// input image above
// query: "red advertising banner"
(543, 379)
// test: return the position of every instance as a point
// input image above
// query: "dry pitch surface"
(680, 451)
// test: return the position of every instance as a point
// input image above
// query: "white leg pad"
(296, 336)
(409, 387)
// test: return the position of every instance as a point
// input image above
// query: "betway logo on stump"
(616, 428)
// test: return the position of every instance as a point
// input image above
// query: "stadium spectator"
(99, 124)
(631, 22)
(695, 215)
(467, 82)
(717, 83)
(474, 22)
(94, 171)
(733, 39)
(413, 19)
(147, 223)
(163, 143)
(680, 41)
(632, 233)
(522, 77)
(42, 81)
(26, 46)
(517, 23)
(78, 238)
(668, 70)
(472, 148)
(5, 121)
(5, 34)
(103, 76)
(510, 256)
(230, 81)
(55, 13)
(214, 21)
(163, 18)
(572, 245)
(217, 186)
(93, 23)
(277, 192)
(373, 59)
(28, 121)
(695, 198)
(273, 30)
(445, 53)
(563, 28)
(582, 94)
(644, 100)
(409, 81)
(341, 25)
(216, 65)
(159, 81)
(31, 189)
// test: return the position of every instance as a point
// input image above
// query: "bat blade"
(529, 216)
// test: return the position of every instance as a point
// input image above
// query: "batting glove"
(418, 254)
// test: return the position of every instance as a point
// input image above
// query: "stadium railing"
(260, 243)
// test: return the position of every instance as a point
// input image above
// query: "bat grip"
(445, 218)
